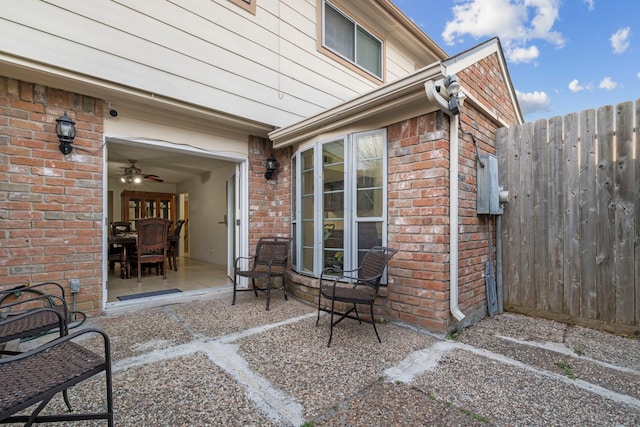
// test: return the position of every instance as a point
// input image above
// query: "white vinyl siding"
(264, 67)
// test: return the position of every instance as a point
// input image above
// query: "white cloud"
(607, 84)
(589, 4)
(620, 40)
(522, 54)
(638, 75)
(533, 102)
(575, 86)
(480, 19)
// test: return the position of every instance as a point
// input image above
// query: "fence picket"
(571, 277)
(540, 212)
(625, 195)
(556, 218)
(526, 241)
(637, 231)
(606, 214)
(588, 215)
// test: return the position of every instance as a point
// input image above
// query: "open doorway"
(200, 183)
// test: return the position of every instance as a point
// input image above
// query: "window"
(249, 5)
(346, 38)
(339, 200)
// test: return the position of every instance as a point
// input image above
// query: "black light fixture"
(271, 166)
(66, 133)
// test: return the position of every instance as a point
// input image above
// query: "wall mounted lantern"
(271, 166)
(66, 133)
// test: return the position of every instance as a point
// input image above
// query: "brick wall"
(269, 200)
(50, 205)
(418, 221)
(485, 81)
(418, 292)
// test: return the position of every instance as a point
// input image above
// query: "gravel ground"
(207, 363)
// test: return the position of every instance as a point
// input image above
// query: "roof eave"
(385, 98)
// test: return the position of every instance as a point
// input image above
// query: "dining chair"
(173, 242)
(115, 250)
(151, 246)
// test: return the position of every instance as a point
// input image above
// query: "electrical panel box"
(488, 200)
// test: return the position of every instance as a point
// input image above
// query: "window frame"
(351, 220)
(248, 5)
(352, 64)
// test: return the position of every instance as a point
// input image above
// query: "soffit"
(401, 99)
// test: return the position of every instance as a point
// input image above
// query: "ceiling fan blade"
(153, 178)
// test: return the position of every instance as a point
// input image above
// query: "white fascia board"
(385, 98)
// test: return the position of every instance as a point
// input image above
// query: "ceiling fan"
(133, 175)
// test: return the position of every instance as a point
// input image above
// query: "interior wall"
(207, 208)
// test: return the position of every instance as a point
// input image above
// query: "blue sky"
(563, 56)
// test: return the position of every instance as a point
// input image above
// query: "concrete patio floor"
(206, 363)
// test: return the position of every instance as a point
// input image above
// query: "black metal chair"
(269, 262)
(362, 287)
(35, 377)
(18, 300)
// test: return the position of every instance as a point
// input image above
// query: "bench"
(36, 376)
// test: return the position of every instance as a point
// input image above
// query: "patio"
(209, 363)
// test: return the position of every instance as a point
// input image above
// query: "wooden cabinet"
(144, 204)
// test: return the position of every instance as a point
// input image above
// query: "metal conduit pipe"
(434, 97)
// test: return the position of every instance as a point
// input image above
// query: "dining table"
(127, 241)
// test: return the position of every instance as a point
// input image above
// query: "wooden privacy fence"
(571, 231)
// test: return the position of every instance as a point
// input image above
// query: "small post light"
(66, 133)
(271, 166)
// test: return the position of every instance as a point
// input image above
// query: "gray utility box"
(488, 202)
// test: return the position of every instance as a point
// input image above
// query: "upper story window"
(348, 39)
(249, 5)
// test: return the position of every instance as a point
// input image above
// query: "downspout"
(434, 97)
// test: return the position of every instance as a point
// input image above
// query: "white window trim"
(353, 63)
(351, 219)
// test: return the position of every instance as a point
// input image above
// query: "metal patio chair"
(23, 298)
(269, 262)
(361, 287)
(33, 378)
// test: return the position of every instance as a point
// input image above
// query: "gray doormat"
(149, 294)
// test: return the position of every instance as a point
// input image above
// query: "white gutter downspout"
(434, 97)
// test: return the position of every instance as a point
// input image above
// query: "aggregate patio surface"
(207, 363)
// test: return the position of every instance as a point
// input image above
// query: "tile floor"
(191, 275)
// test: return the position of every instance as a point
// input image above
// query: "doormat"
(149, 294)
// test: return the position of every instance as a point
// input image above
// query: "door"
(232, 222)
